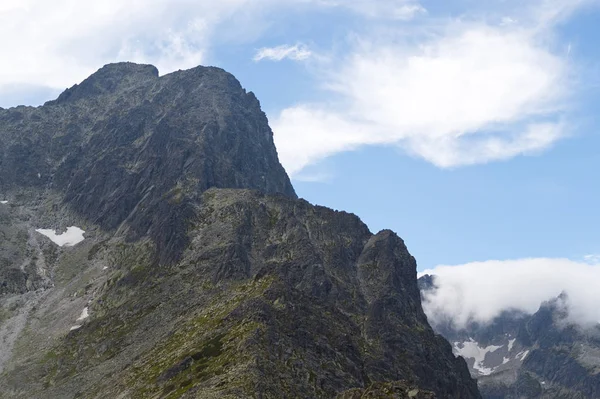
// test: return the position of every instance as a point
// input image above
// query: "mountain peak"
(127, 69)
(132, 151)
(109, 79)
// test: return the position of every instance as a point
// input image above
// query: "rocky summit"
(544, 355)
(154, 247)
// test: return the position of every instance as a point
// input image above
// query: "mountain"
(128, 146)
(153, 247)
(517, 355)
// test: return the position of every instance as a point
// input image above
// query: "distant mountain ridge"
(200, 273)
(516, 355)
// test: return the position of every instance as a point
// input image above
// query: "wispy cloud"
(592, 259)
(298, 52)
(55, 44)
(316, 177)
(506, 21)
(386, 9)
(480, 291)
(455, 93)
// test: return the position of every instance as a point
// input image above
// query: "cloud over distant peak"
(481, 291)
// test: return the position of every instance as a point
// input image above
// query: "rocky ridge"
(201, 273)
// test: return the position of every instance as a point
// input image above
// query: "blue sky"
(468, 127)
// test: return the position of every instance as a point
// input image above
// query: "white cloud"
(462, 94)
(508, 21)
(480, 291)
(305, 135)
(553, 11)
(298, 52)
(56, 44)
(316, 177)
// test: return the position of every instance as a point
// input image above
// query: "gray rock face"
(187, 284)
(395, 390)
(522, 356)
(127, 149)
(273, 297)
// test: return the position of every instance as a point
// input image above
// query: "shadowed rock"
(194, 286)
(129, 149)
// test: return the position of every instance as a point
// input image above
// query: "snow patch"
(72, 237)
(511, 343)
(472, 350)
(105, 267)
(3, 202)
(505, 360)
(523, 355)
(84, 314)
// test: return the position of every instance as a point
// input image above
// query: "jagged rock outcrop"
(390, 390)
(187, 284)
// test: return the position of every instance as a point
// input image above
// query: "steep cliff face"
(517, 355)
(129, 149)
(187, 284)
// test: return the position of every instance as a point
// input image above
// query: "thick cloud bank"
(480, 291)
